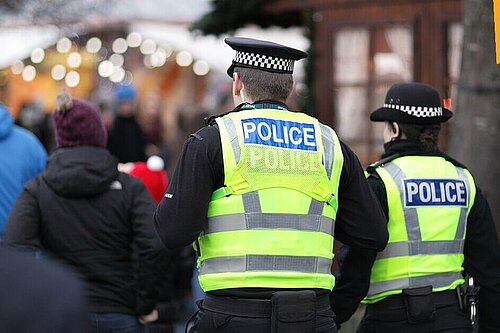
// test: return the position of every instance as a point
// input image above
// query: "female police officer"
(439, 224)
(259, 191)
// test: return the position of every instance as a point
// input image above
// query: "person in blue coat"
(22, 157)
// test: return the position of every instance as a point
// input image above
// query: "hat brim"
(230, 71)
(388, 114)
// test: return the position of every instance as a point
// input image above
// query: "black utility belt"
(288, 311)
(416, 305)
(255, 308)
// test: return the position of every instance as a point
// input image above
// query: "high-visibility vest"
(429, 200)
(272, 223)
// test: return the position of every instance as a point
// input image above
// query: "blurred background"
(172, 56)
(172, 53)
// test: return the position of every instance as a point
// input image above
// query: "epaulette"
(453, 161)
(371, 168)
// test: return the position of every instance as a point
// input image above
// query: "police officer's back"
(439, 224)
(261, 191)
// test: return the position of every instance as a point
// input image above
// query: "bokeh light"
(37, 55)
(74, 60)
(118, 75)
(105, 68)
(29, 73)
(119, 45)
(72, 79)
(17, 67)
(58, 72)
(63, 45)
(184, 58)
(134, 39)
(201, 67)
(117, 59)
(148, 47)
(94, 44)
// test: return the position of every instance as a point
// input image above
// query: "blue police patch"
(434, 192)
(279, 133)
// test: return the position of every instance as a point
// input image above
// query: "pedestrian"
(94, 219)
(39, 296)
(259, 191)
(22, 157)
(152, 173)
(176, 267)
(440, 225)
(126, 137)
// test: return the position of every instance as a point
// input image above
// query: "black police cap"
(263, 55)
(412, 103)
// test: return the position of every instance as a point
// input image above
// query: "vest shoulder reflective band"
(272, 224)
(429, 200)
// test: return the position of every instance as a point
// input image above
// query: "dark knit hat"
(412, 103)
(78, 123)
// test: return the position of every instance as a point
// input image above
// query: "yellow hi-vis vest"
(272, 223)
(429, 200)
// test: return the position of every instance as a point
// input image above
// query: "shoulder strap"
(453, 161)
(371, 168)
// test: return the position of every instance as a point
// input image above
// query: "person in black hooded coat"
(91, 217)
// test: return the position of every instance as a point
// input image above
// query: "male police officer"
(259, 191)
(439, 223)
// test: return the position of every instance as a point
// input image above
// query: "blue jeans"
(115, 323)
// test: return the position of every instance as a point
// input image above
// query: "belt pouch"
(419, 304)
(293, 312)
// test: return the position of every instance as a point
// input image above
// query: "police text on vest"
(279, 133)
(434, 192)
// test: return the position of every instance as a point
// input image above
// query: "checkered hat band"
(417, 111)
(264, 61)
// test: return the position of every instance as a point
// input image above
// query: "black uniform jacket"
(182, 213)
(481, 251)
(95, 220)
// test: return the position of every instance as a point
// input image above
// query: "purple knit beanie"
(78, 123)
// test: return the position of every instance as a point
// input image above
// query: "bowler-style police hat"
(412, 103)
(263, 55)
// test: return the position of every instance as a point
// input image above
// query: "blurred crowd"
(79, 187)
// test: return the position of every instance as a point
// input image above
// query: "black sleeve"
(146, 245)
(363, 227)
(353, 278)
(360, 219)
(482, 261)
(23, 224)
(182, 213)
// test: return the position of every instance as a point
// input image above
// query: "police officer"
(439, 224)
(259, 191)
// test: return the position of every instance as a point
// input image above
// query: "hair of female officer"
(261, 85)
(426, 135)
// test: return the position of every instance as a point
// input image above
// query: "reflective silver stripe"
(251, 202)
(436, 281)
(253, 262)
(328, 149)
(462, 222)
(411, 217)
(304, 222)
(402, 249)
(327, 225)
(233, 137)
(316, 207)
